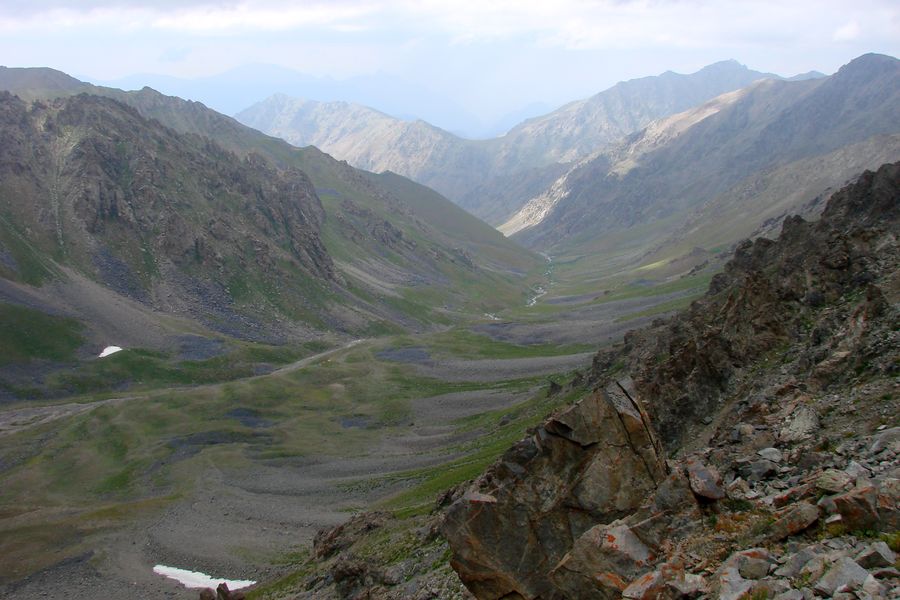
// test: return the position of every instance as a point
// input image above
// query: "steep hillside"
(716, 164)
(476, 174)
(172, 221)
(381, 226)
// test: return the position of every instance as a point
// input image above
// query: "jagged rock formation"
(795, 344)
(594, 462)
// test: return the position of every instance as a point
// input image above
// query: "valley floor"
(385, 422)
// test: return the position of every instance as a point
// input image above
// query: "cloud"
(847, 32)
(186, 17)
(569, 24)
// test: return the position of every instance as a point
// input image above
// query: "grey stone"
(760, 469)
(646, 587)
(857, 471)
(872, 587)
(773, 454)
(804, 423)
(732, 586)
(791, 567)
(814, 568)
(705, 480)
(844, 572)
(754, 568)
(885, 439)
(833, 481)
(790, 595)
(691, 586)
(876, 555)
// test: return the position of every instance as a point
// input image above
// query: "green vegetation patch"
(147, 369)
(27, 334)
(503, 428)
(464, 343)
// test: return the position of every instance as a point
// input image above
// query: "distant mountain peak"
(869, 62)
(729, 64)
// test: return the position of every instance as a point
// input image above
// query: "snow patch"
(109, 350)
(195, 579)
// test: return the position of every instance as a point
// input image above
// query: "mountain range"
(235, 89)
(476, 173)
(721, 171)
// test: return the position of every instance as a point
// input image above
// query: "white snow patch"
(195, 579)
(109, 350)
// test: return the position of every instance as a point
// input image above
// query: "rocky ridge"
(774, 397)
(701, 176)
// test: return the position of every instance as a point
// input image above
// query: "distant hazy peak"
(868, 65)
(807, 76)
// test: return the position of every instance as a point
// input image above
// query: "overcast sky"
(488, 56)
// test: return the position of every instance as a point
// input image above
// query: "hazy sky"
(488, 56)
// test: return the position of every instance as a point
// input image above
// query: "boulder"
(804, 423)
(844, 573)
(611, 550)
(705, 480)
(858, 508)
(594, 462)
(876, 555)
(793, 520)
(833, 481)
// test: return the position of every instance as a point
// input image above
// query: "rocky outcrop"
(774, 296)
(592, 463)
(774, 396)
(171, 220)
